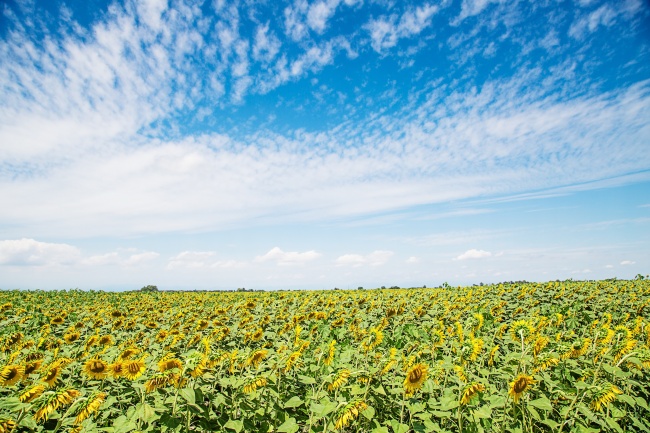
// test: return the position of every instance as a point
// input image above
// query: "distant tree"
(360, 288)
(149, 288)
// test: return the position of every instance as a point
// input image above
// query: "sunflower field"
(520, 357)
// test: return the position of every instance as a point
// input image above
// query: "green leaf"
(369, 412)
(541, 403)
(549, 422)
(534, 413)
(12, 404)
(294, 402)
(289, 426)
(398, 427)
(235, 424)
(483, 412)
(613, 424)
(627, 399)
(123, 425)
(188, 395)
(145, 412)
(323, 407)
(641, 402)
(380, 429)
(306, 379)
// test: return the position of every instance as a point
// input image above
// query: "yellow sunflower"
(90, 406)
(11, 374)
(518, 386)
(51, 376)
(133, 369)
(96, 368)
(415, 378)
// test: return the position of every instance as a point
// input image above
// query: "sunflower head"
(415, 378)
(11, 374)
(521, 384)
(96, 368)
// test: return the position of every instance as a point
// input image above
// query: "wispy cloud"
(376, 258)
(29, 252)
(474, 254)
(288, 258)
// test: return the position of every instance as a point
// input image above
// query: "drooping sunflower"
(7, 425)
(349, 413)
(51, 375)
(96, 368)
(605, 393)
(169, 362)
(51, 401)
(11, 374)
(31, 393)
(470, 392)
(58, 320)
(71, 337)
(161, 380)
(331, 351)
(340, 379)
(257, 357)
(415, 378)
(253, 384)
(90, 406)
(518, 386)
(128, 353)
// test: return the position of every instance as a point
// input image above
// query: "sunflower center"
(97, 367)
(520, 385)
(415, 376)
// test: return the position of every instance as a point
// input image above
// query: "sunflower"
(415, 378)
(374, 339)
(292, 361)
(253, 384)
(168, 363)
(106, 340)
(11, 374)
(51, 375)
(132, 369)
(31, 394)
(521, 330)
(520, 385)
(128, 353)
(71, 337)
(90, 406)
(349, 413)
(7, 425)
(161, 380)
(339, 380)
(330, 353)
(57, 320)
(116, 369)
(605, 394)
(96, 368)
(470, 392)
(257, 357)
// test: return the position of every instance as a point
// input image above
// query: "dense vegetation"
(521, 357)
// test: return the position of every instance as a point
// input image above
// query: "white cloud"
(283, 258)
(319, 13)
(474, 254)
(29, 252)
(191, 260)
(120, 258)
(609, 267)
(413, 260)
(386, 31)
(376, 258)
(470, 8)
(627, 262)
(266, 45)
(604, 16)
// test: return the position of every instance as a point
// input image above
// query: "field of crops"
(524, 357)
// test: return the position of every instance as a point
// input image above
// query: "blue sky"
(320, 144)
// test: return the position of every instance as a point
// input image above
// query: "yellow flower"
(133, 369)
(519, 386)
(168, 363)
(470, 392)
(7, 425)
(257, 357)
(253, 384)
(51, 376)
(330, 353)
(349, 413)
(31, 394)
(339, 380)
(11, 374)
(160, 380)
(606, 393)
(96, 368)
(415, 378)
(91, 406)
